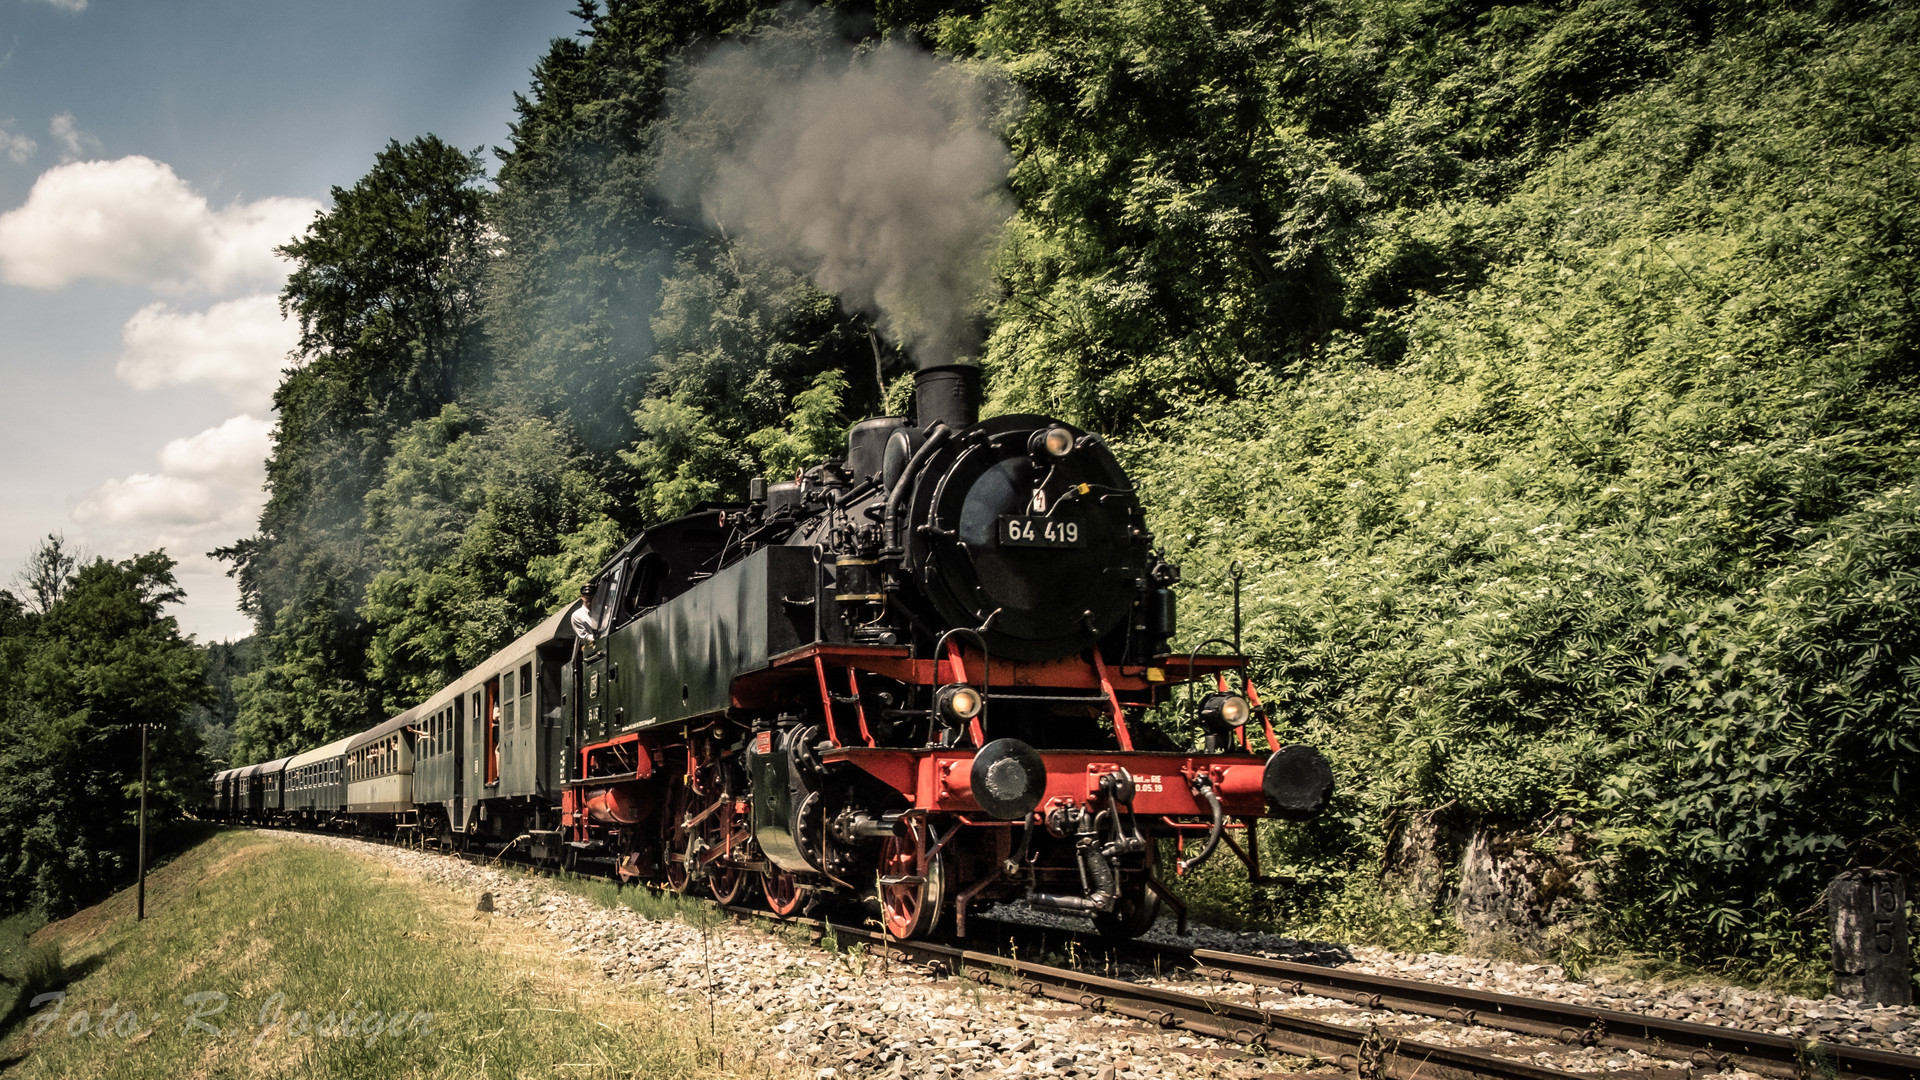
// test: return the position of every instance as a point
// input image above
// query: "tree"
(584, 241)
(83, 677)
(483, 531)
(47, 573)
(226, 662)
(385, 287)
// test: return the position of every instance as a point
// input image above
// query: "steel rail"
(1702, 1045)
(1368, 1052)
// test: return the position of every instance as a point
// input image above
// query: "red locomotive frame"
(932, 781)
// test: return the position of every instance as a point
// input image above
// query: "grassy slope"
(253, 916)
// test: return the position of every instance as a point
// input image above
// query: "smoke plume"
(876, 173)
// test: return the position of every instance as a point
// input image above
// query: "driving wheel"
(726, 882)
(783, 891)
(910, 902)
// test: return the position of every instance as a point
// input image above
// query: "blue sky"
(151, 155)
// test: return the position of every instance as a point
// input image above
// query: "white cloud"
(133, 220)
(233, 453)
(238, 346)
(208, 487)
(76, 142)
(17, 147)
(147, 499)
(67, 5)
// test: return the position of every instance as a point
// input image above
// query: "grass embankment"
(264, 956)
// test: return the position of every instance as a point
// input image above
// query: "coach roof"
(381, 732)
(331, 750)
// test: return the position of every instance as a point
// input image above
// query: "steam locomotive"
(917, 674)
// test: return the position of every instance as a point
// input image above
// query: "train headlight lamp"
(1223, 714)
(1055, 442)
(957, 702)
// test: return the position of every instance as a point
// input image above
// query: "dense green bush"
(1627, 533)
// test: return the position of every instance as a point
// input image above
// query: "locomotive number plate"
(1027, 531)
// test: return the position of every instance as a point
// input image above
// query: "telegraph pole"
(140, 912)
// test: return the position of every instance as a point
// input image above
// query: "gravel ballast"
(849, 1014)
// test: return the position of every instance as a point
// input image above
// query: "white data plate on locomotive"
(1028, 531)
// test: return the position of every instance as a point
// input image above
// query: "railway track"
(1374, 1051)
(1702, 1047)
(1371, 1053)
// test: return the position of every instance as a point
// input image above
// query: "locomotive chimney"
(948, 394)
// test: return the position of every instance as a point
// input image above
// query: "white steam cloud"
(877, 174)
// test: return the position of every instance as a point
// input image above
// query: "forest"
(1546, 370)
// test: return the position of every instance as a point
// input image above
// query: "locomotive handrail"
(936, 436)
(986, 672)
(1193, 655)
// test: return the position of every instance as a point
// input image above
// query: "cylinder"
(947, 395)
(857, 580)
(782, 495)
(867, 445)
(617, 805)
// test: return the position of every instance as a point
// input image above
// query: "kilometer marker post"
(140, 903)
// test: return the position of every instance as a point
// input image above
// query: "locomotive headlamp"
(957, 701)
(1055, 442)
(1223, 713)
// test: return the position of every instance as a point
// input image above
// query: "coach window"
(493, 731)
(526, 696)
(550, 694)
